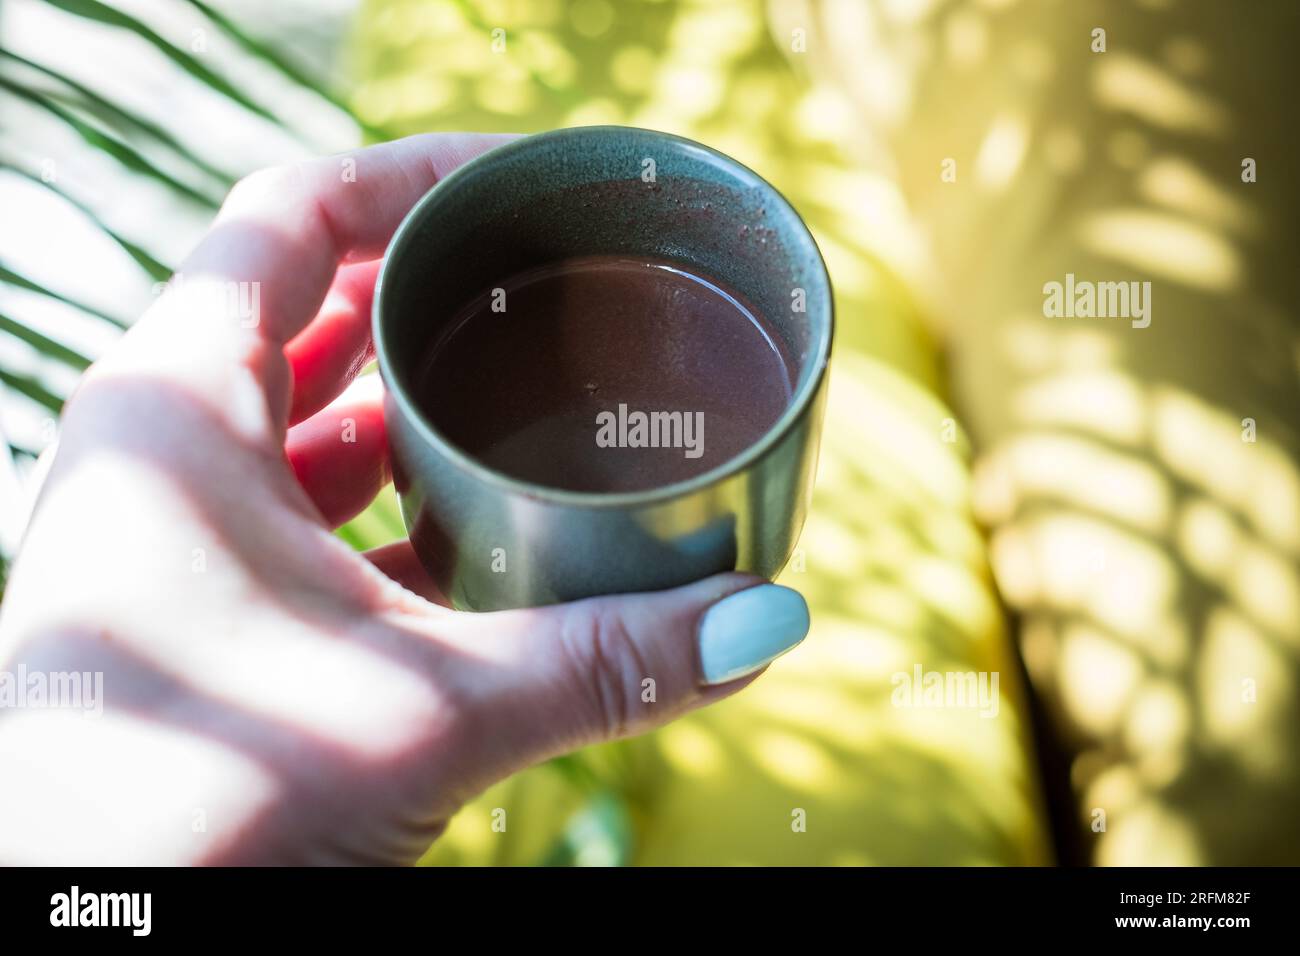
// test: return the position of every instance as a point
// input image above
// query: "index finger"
(288, 227)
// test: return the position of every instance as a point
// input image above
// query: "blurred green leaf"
(352, 536)
(600, 834)
(44, 344)
(22, 282)
(157, 270)
(102, 13)
(18, 451)
(123, 153)
(577, 772)
(33, 389)
(124, 119)
(278, 61)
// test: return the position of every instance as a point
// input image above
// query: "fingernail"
(750, 629)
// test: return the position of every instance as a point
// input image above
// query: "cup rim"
(799, 401)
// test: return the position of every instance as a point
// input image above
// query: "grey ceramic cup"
(490, 541)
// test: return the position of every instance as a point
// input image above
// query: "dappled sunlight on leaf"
(1166, 246)
(1104, 676)
(1126, 83)
(1178, 185)
(1098, 402)
(1001, 152)
(1085, 475)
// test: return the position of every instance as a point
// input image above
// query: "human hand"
(269, 695)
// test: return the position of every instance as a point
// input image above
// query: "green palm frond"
(18, 281)
(44, 344)
(102, 13)
(155, 269)
(144, 148)
(122, 118)
(33, 389)
(105, 142)
(279, 62)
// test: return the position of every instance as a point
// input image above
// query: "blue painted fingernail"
(750, 629)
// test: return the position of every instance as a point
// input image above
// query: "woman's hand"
(269, 695)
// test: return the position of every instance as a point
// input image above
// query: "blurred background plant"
(1147, 553)
(122, 125)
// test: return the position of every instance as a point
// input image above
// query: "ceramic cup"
(490, 541)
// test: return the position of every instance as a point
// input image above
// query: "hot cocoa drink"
(606, 374)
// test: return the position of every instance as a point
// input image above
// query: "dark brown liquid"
(535, 390)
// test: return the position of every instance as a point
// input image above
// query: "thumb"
(561, 677)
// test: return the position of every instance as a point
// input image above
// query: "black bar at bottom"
(333, 906)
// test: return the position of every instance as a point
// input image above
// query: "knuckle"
(263, 183)
(599, 649)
